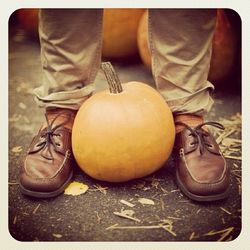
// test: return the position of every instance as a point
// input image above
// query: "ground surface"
(90, 216)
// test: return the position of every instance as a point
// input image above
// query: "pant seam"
(94, 69)
(151, 44)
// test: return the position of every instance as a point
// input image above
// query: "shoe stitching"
(67, 157)
(205, 183)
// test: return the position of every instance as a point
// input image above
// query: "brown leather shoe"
(201, 171)
(47, 168)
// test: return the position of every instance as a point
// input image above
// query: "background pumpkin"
(125, 134)
(143, 40)
(224, 47)
(120, 32)
(125, 33)
(28, 21)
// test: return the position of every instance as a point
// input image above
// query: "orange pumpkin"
(224, 47)
(123, 133)
(120, 32)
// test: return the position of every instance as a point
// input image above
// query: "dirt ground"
(93, 216)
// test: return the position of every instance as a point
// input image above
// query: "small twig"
(13, 183)
(224, 233)
(235, 165)
(193, 236)
(223, 135)
(15, 220)
(127, 203)
(167, 229)
(174, 218)
(225, 210)
(239, 158)
(163, 190)
(223, 220)
(162, 205)
(123, 215)
(101, 189)
(166, 226)
(98, 217)
(236, 174)
(175, 190)
(140, 227)
(35, 210)
(112, 227)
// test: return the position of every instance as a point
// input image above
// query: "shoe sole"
(45, 194)
(205, 198)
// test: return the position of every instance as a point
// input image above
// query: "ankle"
(61, 115)
(191, 120)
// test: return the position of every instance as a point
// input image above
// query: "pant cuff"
(65, 99)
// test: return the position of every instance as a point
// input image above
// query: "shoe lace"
(200, 134)
(48, 135)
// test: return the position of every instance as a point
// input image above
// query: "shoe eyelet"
(181, 152)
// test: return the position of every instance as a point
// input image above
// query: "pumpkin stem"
(114, 83)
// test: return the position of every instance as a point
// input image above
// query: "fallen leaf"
(146, 201)
(22, 105)
(23, 87)
(15, 118)
(128, 212)
(76, 188)
(24, 127)
(17, 149)
(57, 236)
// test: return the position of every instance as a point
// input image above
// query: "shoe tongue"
(191, 120)
(60, 117)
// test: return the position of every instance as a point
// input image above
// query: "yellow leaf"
(17, 149)
(146, 201)
(22, 105)
(76, 188)
(57, 236)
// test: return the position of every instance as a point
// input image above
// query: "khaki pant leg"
(71, 54)
(181, 43)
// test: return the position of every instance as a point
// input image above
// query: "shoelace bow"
(48, 136)
(200, 134)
